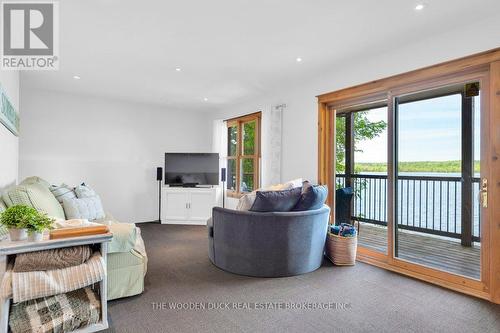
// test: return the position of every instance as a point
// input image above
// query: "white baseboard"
(184, 222)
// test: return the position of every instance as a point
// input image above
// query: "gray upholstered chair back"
(267, 244)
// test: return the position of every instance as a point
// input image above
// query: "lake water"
(430, 204)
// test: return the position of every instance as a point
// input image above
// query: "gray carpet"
(362, 298)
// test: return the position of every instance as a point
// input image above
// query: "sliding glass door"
(414, 167)
(434, 165)
(437, 178)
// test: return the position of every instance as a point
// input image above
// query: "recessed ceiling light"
(178, 69)
(299, 59)
(420, 6)
(205, 99)
(76, 77)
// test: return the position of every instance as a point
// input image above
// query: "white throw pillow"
(62, 192)
(246, 201)
(84, 191)
(83, 208)
(295, 183)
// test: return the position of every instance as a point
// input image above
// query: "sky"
(429, 130)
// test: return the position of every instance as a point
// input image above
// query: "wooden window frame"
(239, 157)
(483, 66)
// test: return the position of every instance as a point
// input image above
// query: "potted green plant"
(21, 220)
(37, 225)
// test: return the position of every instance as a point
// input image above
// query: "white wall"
(111, 145)
(9, 143)
(300, 117)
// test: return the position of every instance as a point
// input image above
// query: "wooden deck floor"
(436, 252)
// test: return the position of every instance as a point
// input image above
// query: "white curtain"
(272, 121)
(219, 141)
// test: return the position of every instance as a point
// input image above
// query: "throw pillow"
(34, 195)
(3, 230)
(35, 180)
(62, 192)
(84, 191)
(246, 201)
(276, 201)
(294, 183)
(84, 208)
(2, 205)
(312, 197)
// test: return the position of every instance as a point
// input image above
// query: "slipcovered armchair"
(127, 258)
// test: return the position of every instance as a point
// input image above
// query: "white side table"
(9, 248)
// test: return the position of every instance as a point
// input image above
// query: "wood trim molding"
(494, 182)
(421, 274)
(463, 65)
(239, 122)
(483, 66)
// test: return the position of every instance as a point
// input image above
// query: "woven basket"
(341, 250)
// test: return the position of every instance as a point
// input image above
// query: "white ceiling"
(229, 50)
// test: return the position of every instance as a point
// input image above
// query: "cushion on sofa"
(62, 192)
(246, 201)
(34, 195)
(312, 197)
(276, 201)
(84, 191)
(84, 208)
(3, 230)
(35, 180)
(294, 183)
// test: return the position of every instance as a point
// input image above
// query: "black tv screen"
(191, 169)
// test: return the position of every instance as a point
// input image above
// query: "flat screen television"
(191, 169)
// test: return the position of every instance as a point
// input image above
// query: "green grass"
(423, 166)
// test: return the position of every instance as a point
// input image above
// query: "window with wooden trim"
(243, 154)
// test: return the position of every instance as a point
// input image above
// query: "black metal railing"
(428, 204)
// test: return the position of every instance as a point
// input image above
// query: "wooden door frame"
(485, 65)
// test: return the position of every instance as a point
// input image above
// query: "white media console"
(188, 205)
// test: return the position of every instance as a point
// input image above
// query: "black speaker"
(159, 178)
(223, 180)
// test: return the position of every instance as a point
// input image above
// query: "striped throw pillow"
(62, 192)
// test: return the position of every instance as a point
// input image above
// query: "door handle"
(483, 193)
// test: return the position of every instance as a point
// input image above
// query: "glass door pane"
(247, 170)
(436, 136)
(370, 177)
(232, 140)
(248, 147)
(361, 152)
(231, 174)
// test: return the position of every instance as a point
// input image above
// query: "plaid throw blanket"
(59, 313)
(24, 286)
